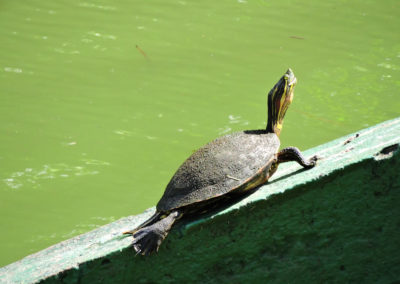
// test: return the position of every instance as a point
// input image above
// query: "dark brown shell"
(218, 167)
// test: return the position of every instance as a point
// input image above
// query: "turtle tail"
(147, 239)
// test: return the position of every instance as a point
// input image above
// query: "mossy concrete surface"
(338, 222)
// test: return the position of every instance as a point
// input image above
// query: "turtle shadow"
(286, 176)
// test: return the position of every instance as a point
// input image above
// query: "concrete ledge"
(339, 222)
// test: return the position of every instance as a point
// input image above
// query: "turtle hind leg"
(293, 154)
(156, 217)
(148, 239)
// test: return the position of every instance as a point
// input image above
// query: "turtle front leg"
(293, 154)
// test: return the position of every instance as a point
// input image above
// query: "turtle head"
(279, 99)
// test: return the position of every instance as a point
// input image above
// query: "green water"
(101, 101)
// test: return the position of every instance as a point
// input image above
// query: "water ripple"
(33, 177)
(92, 5)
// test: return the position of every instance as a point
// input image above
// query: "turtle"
(234, 164)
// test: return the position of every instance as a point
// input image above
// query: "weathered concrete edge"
(334, 155)
(106, 240)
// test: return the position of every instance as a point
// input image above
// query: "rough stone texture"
(339, 222)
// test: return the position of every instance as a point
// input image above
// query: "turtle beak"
(292, 80)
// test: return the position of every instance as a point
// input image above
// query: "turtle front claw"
(312, 162)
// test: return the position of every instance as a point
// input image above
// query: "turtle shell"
(219, 167)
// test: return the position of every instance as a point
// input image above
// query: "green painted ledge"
(339, 222)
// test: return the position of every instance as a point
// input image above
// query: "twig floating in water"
(142, 52)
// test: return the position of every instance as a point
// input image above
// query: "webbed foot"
(148, 239)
